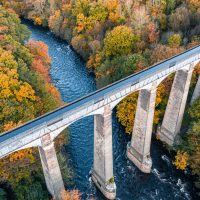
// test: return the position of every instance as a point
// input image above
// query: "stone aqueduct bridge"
(42, 131)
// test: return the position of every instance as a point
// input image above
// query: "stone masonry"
(175, 108)
(138, 150)
(196, 93)
(51, 168)
(102, 173)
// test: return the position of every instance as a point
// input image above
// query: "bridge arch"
(58, 131)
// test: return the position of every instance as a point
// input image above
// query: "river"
(70, 76)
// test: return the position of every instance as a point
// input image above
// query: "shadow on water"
(69, 74)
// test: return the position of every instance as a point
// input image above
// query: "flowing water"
(70, 76)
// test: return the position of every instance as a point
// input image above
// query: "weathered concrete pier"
(102, 173)
(138, 150)
(51, 167)
(172, 121)
(196, 93)
(42, 131)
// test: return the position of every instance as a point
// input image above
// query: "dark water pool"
(70, 76)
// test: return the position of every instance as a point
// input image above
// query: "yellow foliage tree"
(94, 61)
(126, 112)
(174, 40)
(84, 23)
(38, 20)
(193, 4)
(10, 125)
(119, 41)
(181, 160)
(25, 92)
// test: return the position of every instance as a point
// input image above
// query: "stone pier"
(196, 93)
(138, 150)
(172, 120)
(51, 168)
(52, 6)
(102, 173)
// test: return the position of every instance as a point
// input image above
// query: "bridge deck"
(101, 93)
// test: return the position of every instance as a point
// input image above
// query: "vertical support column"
(172, 120)
(51, 168)
(196, 93)
(52, 6)
(138, 150)
(102, 173)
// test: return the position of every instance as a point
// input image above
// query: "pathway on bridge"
(70, 76)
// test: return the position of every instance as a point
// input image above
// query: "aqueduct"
(42, 131)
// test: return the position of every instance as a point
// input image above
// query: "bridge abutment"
(138, 150)
(51, 168)
(172, 120)
(102, 173)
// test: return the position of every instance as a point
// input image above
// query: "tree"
(84, 23)
(174, 40)
(126, 112)
(140, 17)
(193, 4)
(10, 20)
(181, 160)
(120, 41)
(171, 4)
(119, 67)
(98, 12)
(14, 92)
(150, 33)
(113, 7)
(162, 52)
(156, 8)
(80, 44)
(180, 19)
(41, 60)
(55, 21)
